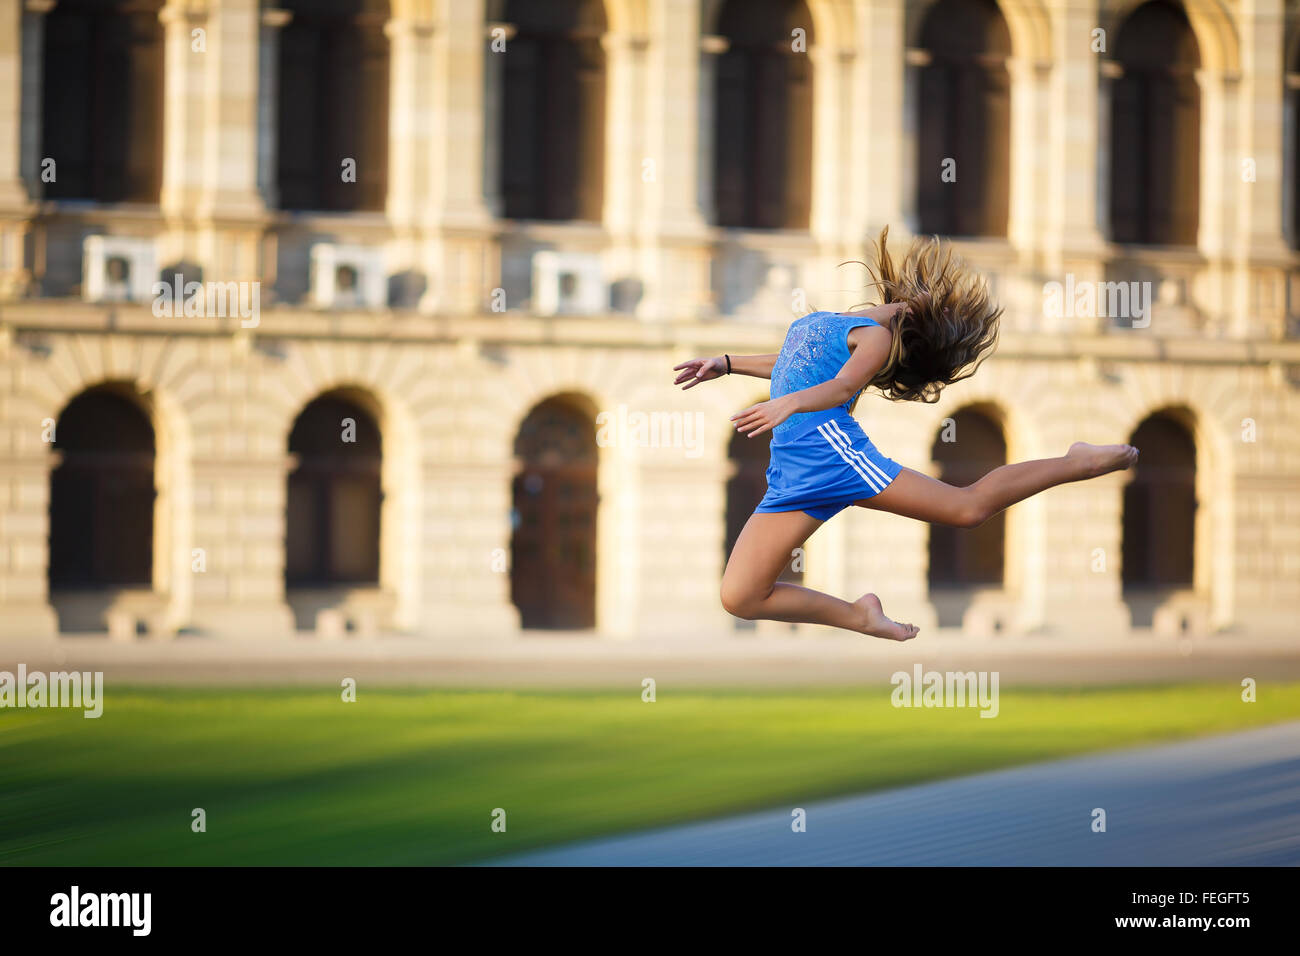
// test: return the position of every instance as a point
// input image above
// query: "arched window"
(101, 100)
(1160, 507)
(968, 557)
(102, 492)
(1155, 134)
(964, 120)
(335, 495)
(333, 105)
(763, 103)
(553, 111)
(553, 549)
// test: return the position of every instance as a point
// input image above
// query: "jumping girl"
(936, 324)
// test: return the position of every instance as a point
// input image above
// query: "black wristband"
(728, 358)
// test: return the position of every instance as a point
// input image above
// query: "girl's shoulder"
(847, 320)
(841, 322)
(822, 316)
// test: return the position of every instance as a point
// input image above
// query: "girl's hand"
(762, 417)
(699, 370)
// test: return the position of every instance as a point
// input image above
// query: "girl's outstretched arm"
(757, 366)
(702, 370)
(870, 345)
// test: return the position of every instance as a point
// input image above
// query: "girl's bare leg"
(750, 588)
(919, 496)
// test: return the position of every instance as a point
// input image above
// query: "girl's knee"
(740, 600)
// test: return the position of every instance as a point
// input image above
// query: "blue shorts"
(824, 468)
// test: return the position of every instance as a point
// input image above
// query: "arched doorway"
(335, 495)
(102, 493)
(964, 115)
(553, 547)
(964, 561)
(745, 489)
(553, 110)
(1159, 516)
(332, 105)
(763, 104)
(1155, 130)
(103, 499)
(101, 100)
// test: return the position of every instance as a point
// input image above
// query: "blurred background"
(420, 252)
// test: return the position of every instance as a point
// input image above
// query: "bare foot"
(1097, 460)
(876, 624)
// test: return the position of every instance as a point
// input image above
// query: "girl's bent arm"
(870, 348)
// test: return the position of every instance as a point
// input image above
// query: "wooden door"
(553, 548)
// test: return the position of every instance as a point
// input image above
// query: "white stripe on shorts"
(852, 462)
(862, 456)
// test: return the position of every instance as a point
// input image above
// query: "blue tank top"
(815, 349)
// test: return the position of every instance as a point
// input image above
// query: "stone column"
(677, 73)
(631, 184)
(1070, 574)
(832, 166)
(185, 149)
(1219, 293)
(1077, 122)
(678, 520)
(883, 88)
(1027, 190)
(465, 550)
(621, 554)
(21, 41)
(1262, 90)
(231, 112)
(1263, 254)
(456, 116)
(239, 521)
(410, 120)
(1217, 138)
(25, 527)
(1081, 228)
(20, 33)
(461, 257)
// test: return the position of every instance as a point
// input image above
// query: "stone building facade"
(447, 252)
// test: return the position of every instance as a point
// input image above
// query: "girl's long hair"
(948, 327)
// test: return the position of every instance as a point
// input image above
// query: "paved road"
(1222, 801)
